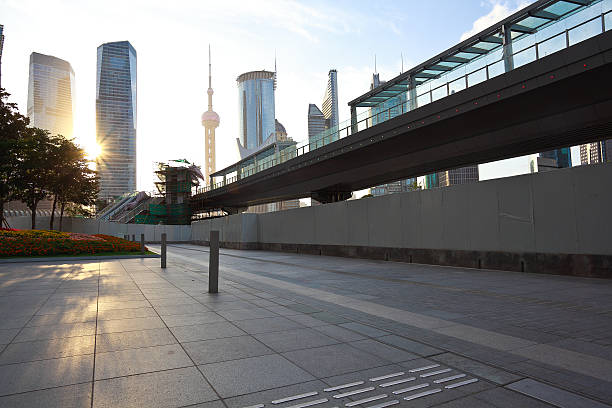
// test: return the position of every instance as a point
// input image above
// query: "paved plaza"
(298, 331)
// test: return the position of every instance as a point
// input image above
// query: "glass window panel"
(456, 86)
(555, 44)
(608, 21)
(423, 100)
(585, 31)
(582, 15)
(561, 7)
(533, 22)
(496, 69)
(606, 5)
(524, 57)
(439, 93)
(477, 77)
(522, 43)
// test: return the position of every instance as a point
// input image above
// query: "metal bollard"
(133, 238)
(163, 251)
(142, 251)
(213, 263)
(126, 237)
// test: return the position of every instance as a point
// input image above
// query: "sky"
(171, 39)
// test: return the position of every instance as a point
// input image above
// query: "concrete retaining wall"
(557, 222)
(174, 233)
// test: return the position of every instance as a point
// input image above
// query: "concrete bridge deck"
(289, 330)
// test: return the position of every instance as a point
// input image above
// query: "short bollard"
(133, 238)
(142, 251)
(163, 251)
(126, 237)
(213, 263)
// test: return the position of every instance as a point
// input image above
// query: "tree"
(83, 192)
(13, 129)
(34, 169)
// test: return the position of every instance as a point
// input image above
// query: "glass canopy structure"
(538, 30)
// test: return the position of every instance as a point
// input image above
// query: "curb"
(74, 258)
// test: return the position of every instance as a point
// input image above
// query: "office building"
(256, 109)
(400, 186)
(316, 123)
(596, 152)
(116, 118)
(330, 100)
(210, 121)
(462, 175)
(51, 94)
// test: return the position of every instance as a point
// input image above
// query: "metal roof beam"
(544, 14)
(475, 50)
(491, 39)
(522, 29)
(439, 68)
(425, 75)
(458, 60)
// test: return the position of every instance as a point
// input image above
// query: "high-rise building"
(116, 118)
(462, 175)
(316, 122)
(330, 100)
(256, 108)
(400, 186)
(562, 156)
(51, 94)
(210, 121)
(596, 152)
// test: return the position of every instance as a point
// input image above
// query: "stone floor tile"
(329, 317)
(246, 314)
(23, 377)
(46, 349)
(206, 331)
(294, 339)
(133, 339)
(237, 377)
(140, 360)
(70, 396)
(265, 397)
(268, 324)
(333, 360)
(7, 335)
(487, 372)
(56, 331)
(365, 330)
(409, 345)
(381, 350)
(298, 307)
(118, 314)
(504, 398)
(192, 319)
(124, 325)
(133, 304)
(553, 395)
(171, 388)
(181, 309)
(232, 348)
(339, 333)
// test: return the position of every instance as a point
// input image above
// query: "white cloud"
(500, 10)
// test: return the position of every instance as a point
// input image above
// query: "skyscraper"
(256, 108)
(330, 100)
(116, 118)
(462, 175)
(210, 121)
(51, 94)
(316, 122)
(596, 152)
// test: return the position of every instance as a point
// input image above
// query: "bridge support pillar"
(412, 93)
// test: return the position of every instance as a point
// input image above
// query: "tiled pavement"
(295, 331)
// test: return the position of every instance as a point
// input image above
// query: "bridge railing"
(558, 35)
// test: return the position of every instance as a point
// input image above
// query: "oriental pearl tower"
(210, 121)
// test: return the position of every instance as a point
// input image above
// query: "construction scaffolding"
(177, 180)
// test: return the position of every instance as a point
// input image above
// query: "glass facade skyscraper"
(51, 94)
(116, 118)
(330, 100)
(256, 107)
(316, 122)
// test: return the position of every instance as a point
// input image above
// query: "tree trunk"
(53, 213)
(61, 215)
(33, 209)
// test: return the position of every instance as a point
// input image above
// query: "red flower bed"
(48, 243)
